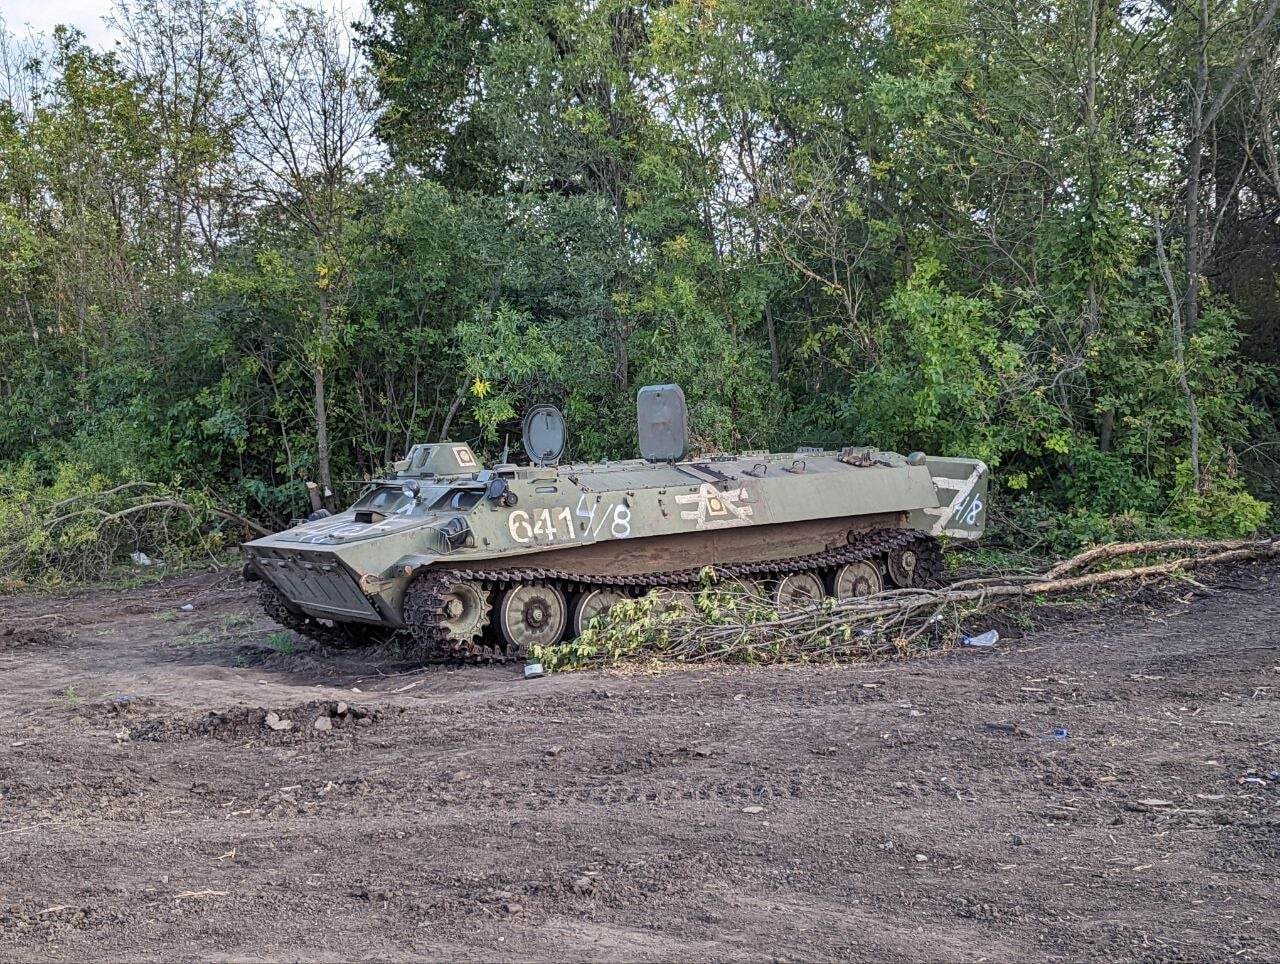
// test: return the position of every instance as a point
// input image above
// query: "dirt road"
(913, 811)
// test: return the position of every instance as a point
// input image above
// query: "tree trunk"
(1180, 354)
(1092, 321)
(388, 412)
(621, 351)
(1106, 430)
(322, 434)
(772, 332)
(1195, 164)
(458, 399)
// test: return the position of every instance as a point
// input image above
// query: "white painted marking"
(713, 509)
(963, 487)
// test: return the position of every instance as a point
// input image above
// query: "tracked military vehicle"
(483, 563)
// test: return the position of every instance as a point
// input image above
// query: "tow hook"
(371, 584)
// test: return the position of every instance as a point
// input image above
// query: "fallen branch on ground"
(738, 624)
(79, 538)
(32, 826)
(1117, 550)
(155, 505)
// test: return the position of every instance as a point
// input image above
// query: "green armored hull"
(482, 562)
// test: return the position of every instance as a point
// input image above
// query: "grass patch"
(282, 642)
(192, 640)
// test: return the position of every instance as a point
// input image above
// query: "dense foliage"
(250, 246)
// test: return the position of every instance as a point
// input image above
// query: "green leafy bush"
(74, 525)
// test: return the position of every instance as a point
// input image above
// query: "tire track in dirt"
(896, 811)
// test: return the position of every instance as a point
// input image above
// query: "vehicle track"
(426, 612)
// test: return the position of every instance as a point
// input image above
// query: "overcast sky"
(43, 15)
(88, 15)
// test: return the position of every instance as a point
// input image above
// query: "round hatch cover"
(544, 435)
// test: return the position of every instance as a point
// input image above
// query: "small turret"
(438, 459)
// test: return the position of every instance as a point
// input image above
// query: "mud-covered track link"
(338, 635)
(900, 555)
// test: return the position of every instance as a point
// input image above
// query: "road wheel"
(531, 616)
(902, 564)
(860, 578)
(592, 603)
(797, 590)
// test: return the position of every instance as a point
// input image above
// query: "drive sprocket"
(447, 616)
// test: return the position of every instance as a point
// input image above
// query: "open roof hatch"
(663, 423)
(544, 434)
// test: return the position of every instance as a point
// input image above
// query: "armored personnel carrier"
(482, 563)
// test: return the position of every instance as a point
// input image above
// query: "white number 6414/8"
(556, 525)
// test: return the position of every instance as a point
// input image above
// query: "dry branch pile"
(736, 623)
(81, 536)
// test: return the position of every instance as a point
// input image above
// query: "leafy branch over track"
(736, 623)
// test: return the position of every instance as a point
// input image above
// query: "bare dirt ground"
(916, 810)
